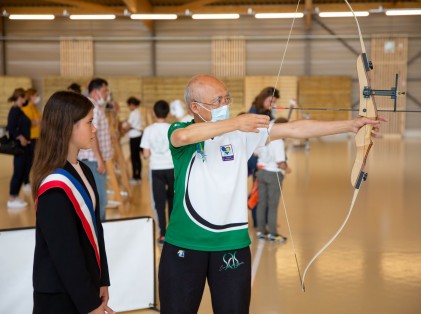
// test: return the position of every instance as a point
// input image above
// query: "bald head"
(202, 87)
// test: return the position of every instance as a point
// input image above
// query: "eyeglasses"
(219, 101)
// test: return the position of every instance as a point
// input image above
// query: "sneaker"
(27, 188)
(16, 203)
(135, 181)
(112, 204)
(277, 238)
(261, 235)
(161, 240)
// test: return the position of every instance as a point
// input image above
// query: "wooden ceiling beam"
(309, 10)
(195, 5)
(138, 6)
(141, 6)
(87, 6)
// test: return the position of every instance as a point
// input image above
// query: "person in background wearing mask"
(179, 111)
(101, 151)
(32, 112)
(19, 128)
(207, 237)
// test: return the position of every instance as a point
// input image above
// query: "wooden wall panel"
(235, 86)
(52, 84)
(229, 57)
(325, 92)
(76, 57)
(166, 88)
(123, 88)
(7, 86)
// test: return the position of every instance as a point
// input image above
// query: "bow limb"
(362, 139)
(354, 198)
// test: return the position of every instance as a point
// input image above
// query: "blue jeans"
(101, 185)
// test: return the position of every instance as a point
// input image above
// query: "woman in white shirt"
(271, 169)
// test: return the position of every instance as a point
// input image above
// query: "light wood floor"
(373, 267)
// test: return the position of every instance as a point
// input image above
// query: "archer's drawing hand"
(252, 122)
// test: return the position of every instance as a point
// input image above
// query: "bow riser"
(367, 104)
(363, 143)
(368, 109)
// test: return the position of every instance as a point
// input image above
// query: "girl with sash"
(70, 272)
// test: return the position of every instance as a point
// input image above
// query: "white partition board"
(131, 261)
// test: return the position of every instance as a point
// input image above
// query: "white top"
(135, 121)
(155, 138)
(270, 155)
(222, 174)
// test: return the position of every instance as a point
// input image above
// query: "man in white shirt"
(207, 237)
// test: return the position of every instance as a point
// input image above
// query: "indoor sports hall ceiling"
(186, 7)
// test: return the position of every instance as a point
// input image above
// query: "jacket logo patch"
(227, 153)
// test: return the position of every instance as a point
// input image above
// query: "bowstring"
(277, 174)
(356, 191)
(270, 140)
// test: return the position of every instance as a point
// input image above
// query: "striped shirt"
(102, 134)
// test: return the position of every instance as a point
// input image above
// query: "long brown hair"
(61, 112)
(260, 99)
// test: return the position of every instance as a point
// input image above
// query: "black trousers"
(53, 303)
(21, 168)
(135, 157)
(31, 160)
(183, 273)
(162, 183)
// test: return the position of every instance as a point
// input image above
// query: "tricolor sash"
(82, 203)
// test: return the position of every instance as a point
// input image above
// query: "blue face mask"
(218, 114)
